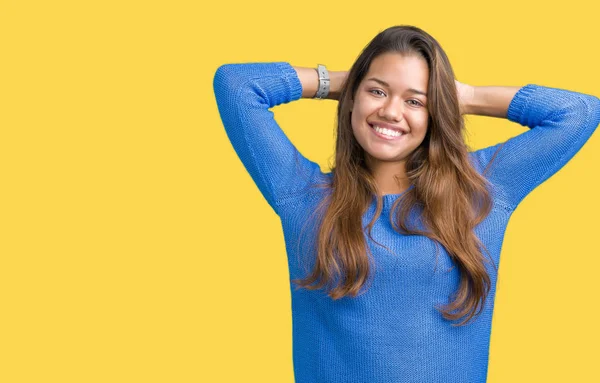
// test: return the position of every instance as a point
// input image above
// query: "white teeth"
(387, 132)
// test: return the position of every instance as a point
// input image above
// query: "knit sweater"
(392, 332)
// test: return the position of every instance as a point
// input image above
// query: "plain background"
(134, 246)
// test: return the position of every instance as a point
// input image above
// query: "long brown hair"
(452, 195)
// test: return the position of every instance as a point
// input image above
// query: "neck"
(389, 176)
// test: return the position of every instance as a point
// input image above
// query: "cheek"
(355, 118)
(360, 112)
(419, 124)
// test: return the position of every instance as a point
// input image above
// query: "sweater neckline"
(394, 196)
(389, 199)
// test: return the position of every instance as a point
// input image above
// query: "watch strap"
(323, 90)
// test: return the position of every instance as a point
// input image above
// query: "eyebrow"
(388, 85)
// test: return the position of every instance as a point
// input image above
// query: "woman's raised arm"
(244, 93)
(491, 101)
(560, 122)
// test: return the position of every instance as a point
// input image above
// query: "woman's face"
(393, 95)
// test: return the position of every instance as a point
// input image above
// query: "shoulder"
(482, 158)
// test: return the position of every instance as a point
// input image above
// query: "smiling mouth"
(386, 133)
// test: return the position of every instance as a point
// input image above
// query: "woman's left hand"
(465, 96)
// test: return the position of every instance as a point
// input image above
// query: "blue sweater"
(392, 333)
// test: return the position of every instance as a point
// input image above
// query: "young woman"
(402, 238)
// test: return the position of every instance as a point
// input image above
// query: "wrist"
(337, 80)
(492, 101)
(468, 98)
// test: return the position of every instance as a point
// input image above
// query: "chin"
(386, 157)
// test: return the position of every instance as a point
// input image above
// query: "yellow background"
(134, 246)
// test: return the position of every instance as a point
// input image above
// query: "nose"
(392, 110)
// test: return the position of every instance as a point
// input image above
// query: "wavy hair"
(452, 196)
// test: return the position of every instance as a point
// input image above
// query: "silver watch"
(323, 91)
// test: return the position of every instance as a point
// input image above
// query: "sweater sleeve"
(560, 123)
(244, 93)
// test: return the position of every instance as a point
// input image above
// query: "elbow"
(232, 76)
(595, 109)
(230, 79)
(225, 82)
(591, 109)
(584, 108)
(223, 78)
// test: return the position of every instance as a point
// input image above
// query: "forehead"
(400, 71)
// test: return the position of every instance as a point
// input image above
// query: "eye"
(377, 90)
(416, 103)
